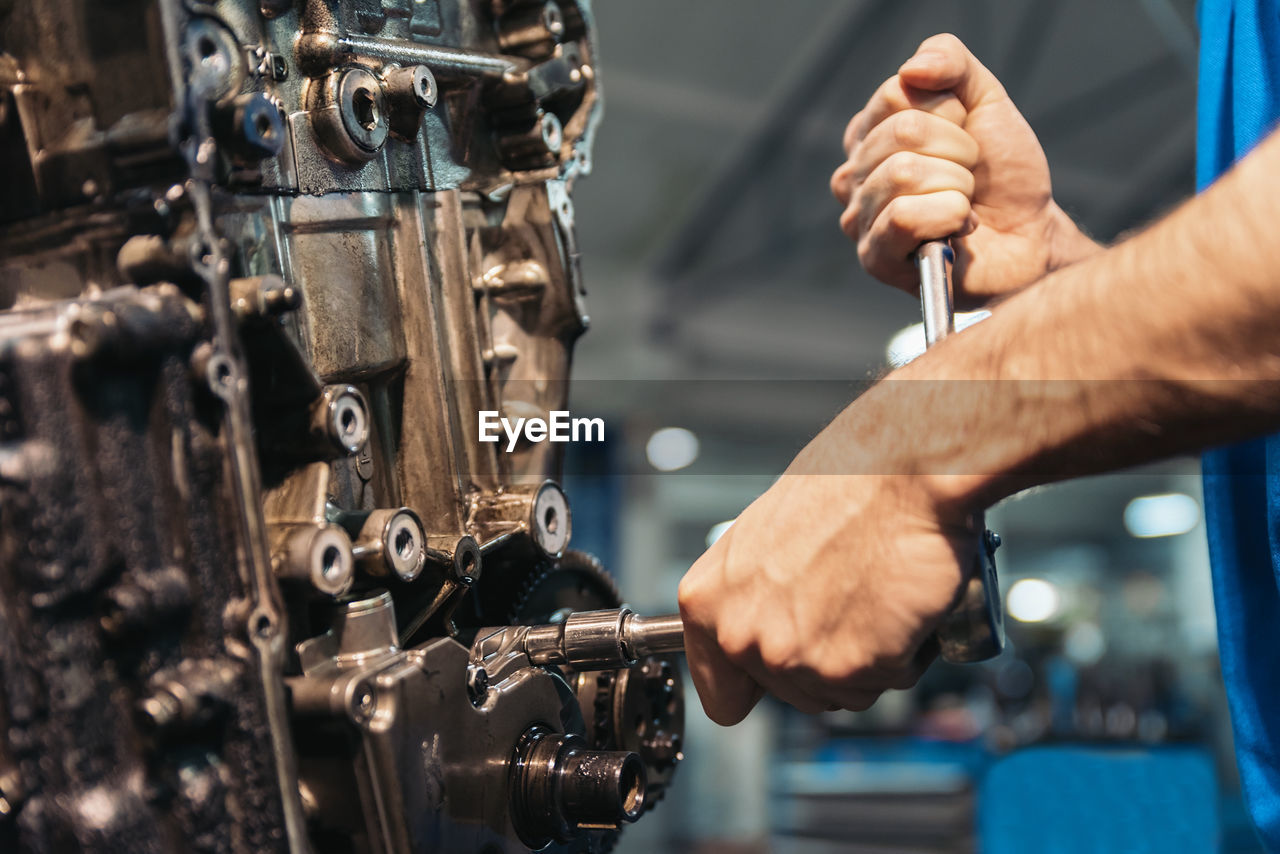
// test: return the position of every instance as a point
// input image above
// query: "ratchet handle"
(974, 629)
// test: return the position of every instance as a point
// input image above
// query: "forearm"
(1163, 344)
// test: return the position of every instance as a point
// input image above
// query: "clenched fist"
(940, 150)
(828, 588)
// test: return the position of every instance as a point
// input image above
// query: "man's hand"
(941, 150)
(825, 592)
(827, 588)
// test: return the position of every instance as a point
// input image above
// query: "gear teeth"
(602, 711)
(572, 562)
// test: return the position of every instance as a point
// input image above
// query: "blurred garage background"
(730, 320)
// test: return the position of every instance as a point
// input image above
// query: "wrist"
(915, 431)
(1066, 243)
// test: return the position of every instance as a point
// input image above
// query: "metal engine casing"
(261, 265)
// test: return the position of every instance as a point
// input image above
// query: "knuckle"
(842, 182)
(834, 670)
(948, 42)
(956, 207)
(867, 255)
(891, 663)
(908, 129)
(851, 223)
(851, 130)
(778, 654)
(688, 596)
(900, 217)
(903, 170)
(737, 646)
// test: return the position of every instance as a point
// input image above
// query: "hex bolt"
(349, 113)
(253, 127)
(412, 86)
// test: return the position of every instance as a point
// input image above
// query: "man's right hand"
(940, 150)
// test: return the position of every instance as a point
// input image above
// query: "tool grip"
(933, 260)
(974, 629)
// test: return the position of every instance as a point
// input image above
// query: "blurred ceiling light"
(671, 448)
(717, 531)
(1033, 600)
(1164, 515)
(1084, 644)
(908, 343)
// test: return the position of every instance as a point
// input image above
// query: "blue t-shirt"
(1239, 104)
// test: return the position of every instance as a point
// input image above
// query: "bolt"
(257, 128)
(364, 702)
(280, 300)
(160, 710)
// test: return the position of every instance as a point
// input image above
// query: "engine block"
(261, 265)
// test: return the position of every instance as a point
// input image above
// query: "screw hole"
(262, 125)
(551, 520)
(331, 562)
(404, 543)
(348, 420)
(468, 564)
(207, 47)
(263, 626)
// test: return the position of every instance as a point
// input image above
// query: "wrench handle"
(933, 259)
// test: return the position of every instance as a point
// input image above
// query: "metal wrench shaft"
(974, 629)
(595, 640)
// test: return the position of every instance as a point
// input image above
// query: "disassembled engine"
(261, 587)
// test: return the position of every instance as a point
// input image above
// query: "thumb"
(942, 62)
(727, 693)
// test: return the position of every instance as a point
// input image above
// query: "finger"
(942, 62)
(894, 96)
(786, 688)
(906, 174)
(857, 691)
(885, 248)
(728, 694)
(918, 132)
